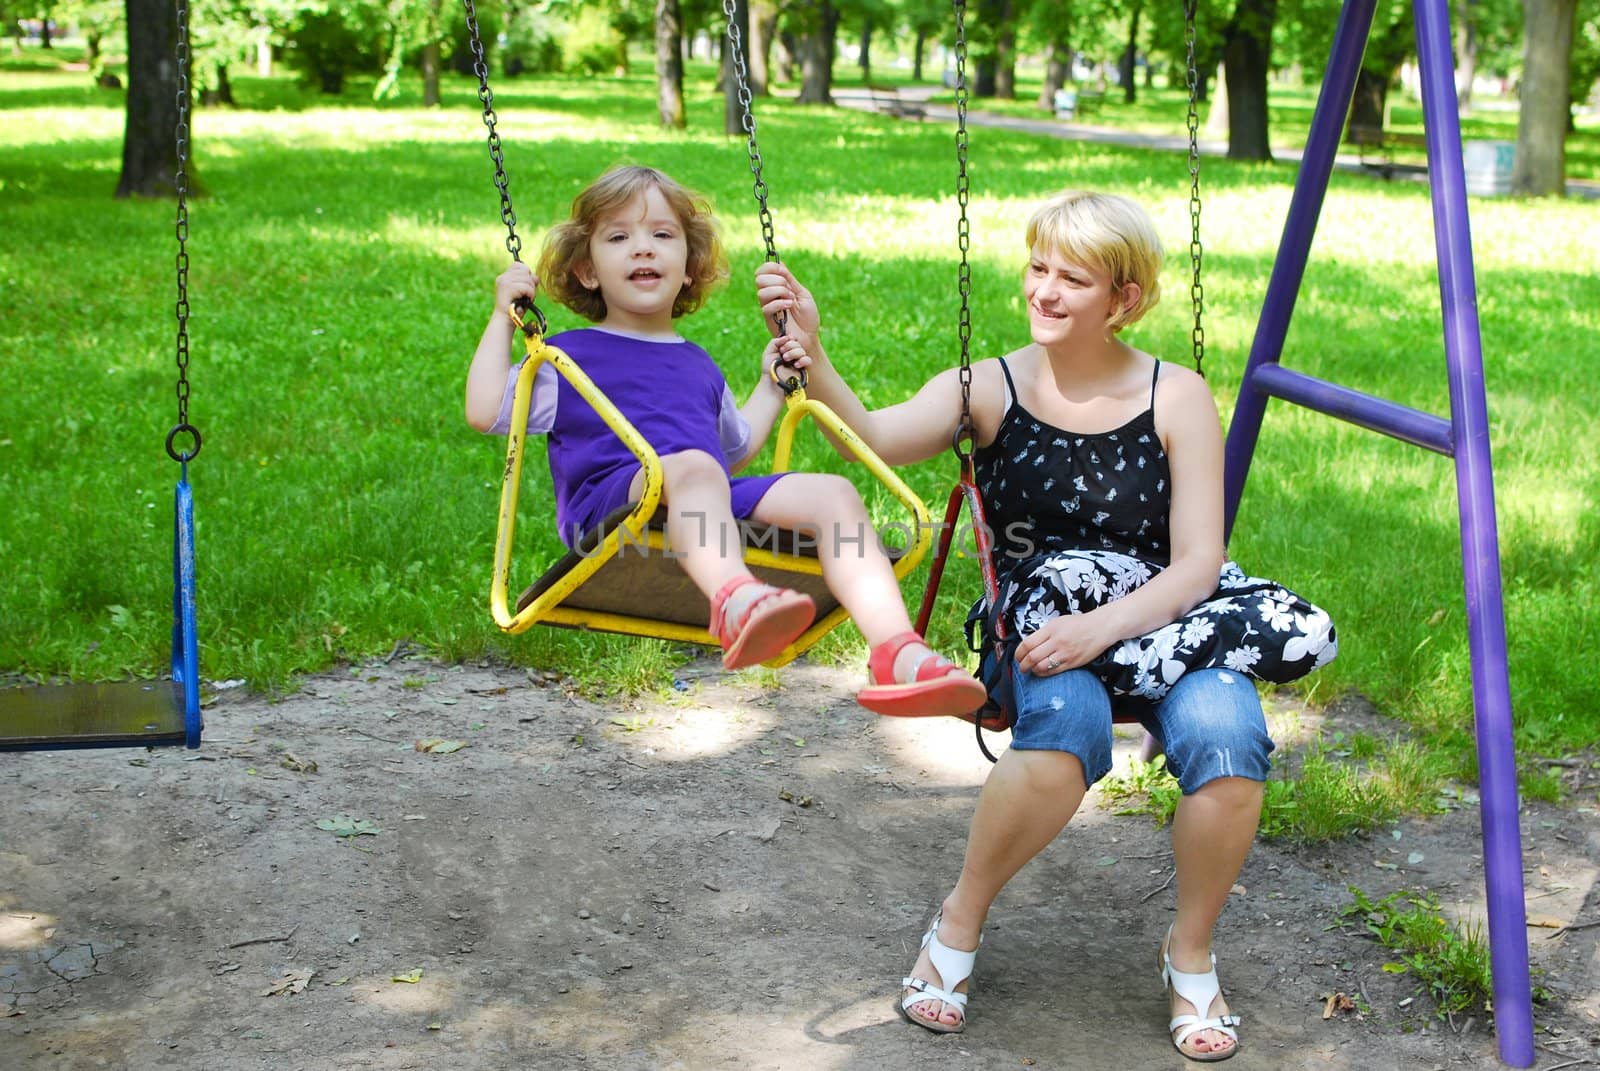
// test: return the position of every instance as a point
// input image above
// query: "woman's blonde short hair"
(1107, 232)
(566, 247)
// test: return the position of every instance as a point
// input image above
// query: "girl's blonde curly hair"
(566, 247)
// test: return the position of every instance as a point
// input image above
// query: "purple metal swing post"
(1465, 437)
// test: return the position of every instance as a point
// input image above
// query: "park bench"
(1376, 146)
(899, 107)
(1070, 103)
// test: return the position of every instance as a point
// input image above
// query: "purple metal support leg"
(1480, 545)
(1465, 437)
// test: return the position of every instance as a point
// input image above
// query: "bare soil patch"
(735, 876)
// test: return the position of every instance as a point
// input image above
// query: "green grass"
(342, 271)
(1324, 792)
(1449, 961)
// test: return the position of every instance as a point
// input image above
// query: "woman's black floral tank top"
(1047, 489)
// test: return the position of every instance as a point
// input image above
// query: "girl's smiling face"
(638, 257)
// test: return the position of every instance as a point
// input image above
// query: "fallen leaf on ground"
(291, 761)
(291, 982)
(1546, 922)
(410, 977)
(343, 825)
(1337, 1002)
(435, 746)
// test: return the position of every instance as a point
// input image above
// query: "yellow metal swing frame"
(626, 562)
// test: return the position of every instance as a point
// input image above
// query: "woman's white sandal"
(954, 967)
(1201, 991)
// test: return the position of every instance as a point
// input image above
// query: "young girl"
(638, 252)
(1101, 472)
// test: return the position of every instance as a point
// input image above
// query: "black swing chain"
(481, 68)
(747, 119)
(180, 182)
(1197, 292)
(535, 324)
(965, 433)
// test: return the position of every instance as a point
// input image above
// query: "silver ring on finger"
(1052, 664)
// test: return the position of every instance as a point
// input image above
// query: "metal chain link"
(1197, 292)
(747, 120)
(965, 432)
(180, 181)
(481, 69)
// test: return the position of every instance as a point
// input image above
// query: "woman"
(1101, 471)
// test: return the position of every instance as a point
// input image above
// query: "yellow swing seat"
(622, 579)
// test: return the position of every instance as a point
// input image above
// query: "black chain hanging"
(508, 216)
(481, 68)
(180, 181)
(1197, 292)
(747, 120)
(965, 435)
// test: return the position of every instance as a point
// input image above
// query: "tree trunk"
(1057, 70)
(44, 31)
(1541, 165)
(732, 110)
(1246, 57)
(669, 65)
(1128, 67)
(222, 92)
(1369, 102)
(430, 55)
(1216, 125)
(788, 56)
(983, 76)
(430, 73)
(763, 24)
(1005, 54)
(1466, 54)
(816, 56)
(917, 50)
(865, 59)
(149, 152)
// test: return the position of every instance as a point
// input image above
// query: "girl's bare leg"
(854, 565)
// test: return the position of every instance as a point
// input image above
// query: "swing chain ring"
(788, 384)
(480, 67)
(183, 457)
(519, 310)
(964, 441)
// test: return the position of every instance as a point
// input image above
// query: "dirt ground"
(734, 877)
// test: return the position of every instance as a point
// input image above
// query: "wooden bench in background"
(1376, 146)
(899, 107)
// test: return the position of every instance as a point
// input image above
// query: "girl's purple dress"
(669, 389)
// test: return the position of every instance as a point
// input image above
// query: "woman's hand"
(516, 282)
(779, 292)
(1063, 643)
